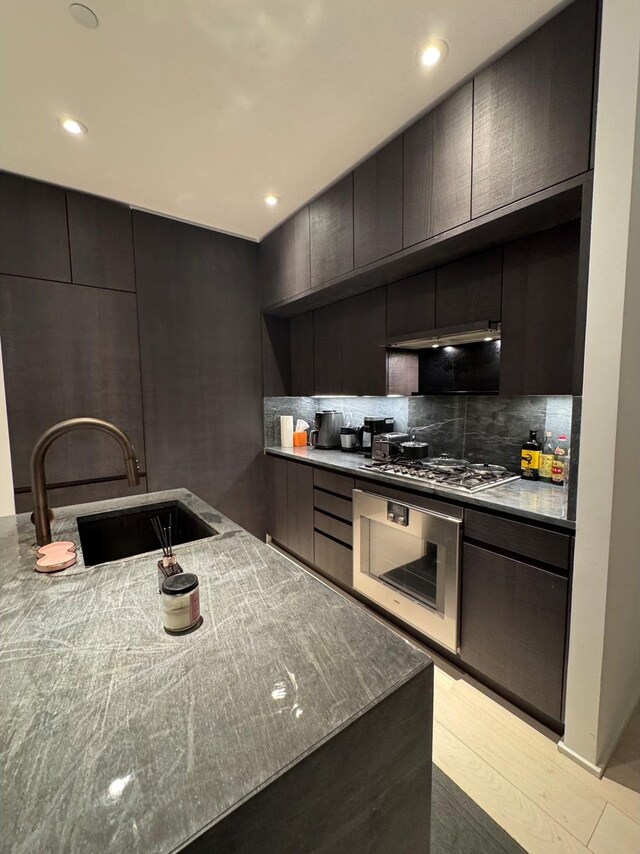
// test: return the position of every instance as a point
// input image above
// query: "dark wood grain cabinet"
(69, 351)
(377, 205)
(100, 242)
(302, 352)
(513, 626)
(296, 261)
(364, 363)
(331, 225)
(278, 517)
(437, 169)
(539, 313)
(532, 111)
(290, 522)
(328, 349)
(34, 239)
(270, 269)
(470, 290)
(411, 305)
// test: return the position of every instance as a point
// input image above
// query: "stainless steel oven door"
(407, 560)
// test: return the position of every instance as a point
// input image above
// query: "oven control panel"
(398, 513)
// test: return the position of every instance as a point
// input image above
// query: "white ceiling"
(197, 108)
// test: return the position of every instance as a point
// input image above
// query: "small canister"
(181, 603)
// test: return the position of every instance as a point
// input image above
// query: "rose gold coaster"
(55, 557)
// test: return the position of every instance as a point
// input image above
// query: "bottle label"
(557, 471)
(530, 460)
(546, 465)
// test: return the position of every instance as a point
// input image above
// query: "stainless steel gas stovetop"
(457, 476)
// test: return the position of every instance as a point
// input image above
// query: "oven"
(406, 559)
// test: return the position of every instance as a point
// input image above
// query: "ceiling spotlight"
(488, 338)
(272, 200)
(84, 16)
(432, 52)
(73, 126)
(434, 346)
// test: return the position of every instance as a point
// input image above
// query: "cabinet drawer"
(337, 483)
(334, 560)
(340, 507)
(334, 527)
(535, 543)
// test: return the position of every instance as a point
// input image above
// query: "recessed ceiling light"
(73, 126)
(432, 52)
(434, 346)
(272, 200)
(84, 16)
(488, 338)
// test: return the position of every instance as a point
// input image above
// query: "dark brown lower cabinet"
(278, 526)
(334, 559)
(291, 506)
(513, 626)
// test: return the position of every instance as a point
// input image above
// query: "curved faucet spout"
(38, 477)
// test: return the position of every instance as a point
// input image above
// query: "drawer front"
(340, 507)
(549, 547)
(334, 560)
(340, 530)
(337, 483)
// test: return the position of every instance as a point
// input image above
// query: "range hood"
(469, 333)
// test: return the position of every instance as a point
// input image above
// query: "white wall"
(603, 684)
(7, 506)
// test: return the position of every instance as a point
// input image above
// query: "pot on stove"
(414, 450)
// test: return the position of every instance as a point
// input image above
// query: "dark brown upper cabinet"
(437, 169)
(327, 349)
(301, 337)
(34, 240)
(469, 290)
(270, 268)
(532, 111)
(101, 243)
(332, 233)
(411, 305)
(539, 300)
(364, 358)
(377, 205)
(295, 264)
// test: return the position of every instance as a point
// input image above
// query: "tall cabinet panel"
(327, 349)
(377, 205)
(364, 361)
(33, 229)
(200, 349)
(332, 233)
(295, 265)
(437, 169)
(301, 336)
(101, 242)
(69, 351)
(532, 111)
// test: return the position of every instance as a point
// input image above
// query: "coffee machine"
(325, 434)
(373, 425)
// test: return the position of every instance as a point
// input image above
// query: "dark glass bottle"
(530, 457)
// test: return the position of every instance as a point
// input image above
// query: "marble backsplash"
(479, 428)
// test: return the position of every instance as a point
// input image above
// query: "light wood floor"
(510, 766)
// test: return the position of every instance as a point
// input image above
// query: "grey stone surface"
(542, 502)
(119, 737)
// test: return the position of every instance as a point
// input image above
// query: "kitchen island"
(291, 720)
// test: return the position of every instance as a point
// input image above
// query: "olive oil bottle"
(530, 457)
(546, 459)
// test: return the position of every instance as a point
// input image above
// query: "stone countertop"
(119, 737)
(541, 502)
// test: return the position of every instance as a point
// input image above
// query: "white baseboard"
(596, 770)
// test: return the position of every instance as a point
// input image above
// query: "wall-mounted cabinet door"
(539, 302)
(377, 205)
(470, 289)
(332, 233)
(270, 269)
(411, 305)
(364, 358)
(301, 337)
(437, 169)
(295, 265)
(533, 109)
(513, 625)
(327, 349)
(101, 243)
(34, 240)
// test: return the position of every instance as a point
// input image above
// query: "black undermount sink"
(124, 533)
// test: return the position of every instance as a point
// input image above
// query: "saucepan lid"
(447, 463)
(486, 468)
